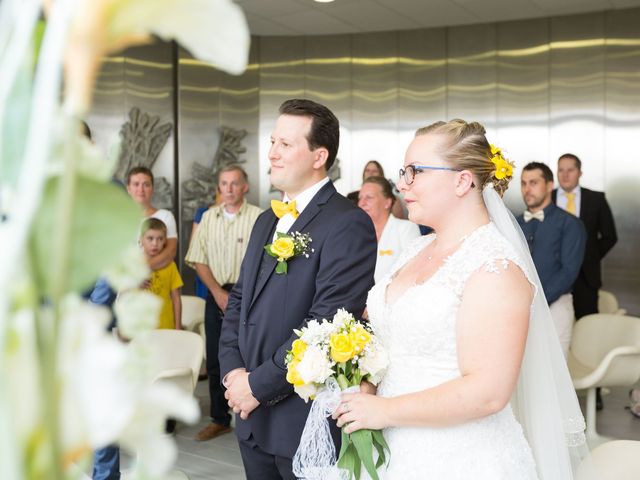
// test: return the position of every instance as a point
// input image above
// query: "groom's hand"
(239, 395)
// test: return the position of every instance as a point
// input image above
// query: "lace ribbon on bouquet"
(315, 458)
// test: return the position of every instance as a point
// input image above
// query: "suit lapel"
(308, 214)
(266, 236)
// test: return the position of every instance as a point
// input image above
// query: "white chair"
(608, 303)
(193, 313)
(616, 460)
(605, 352)
(176, 356)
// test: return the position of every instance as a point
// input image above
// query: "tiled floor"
(220, 459)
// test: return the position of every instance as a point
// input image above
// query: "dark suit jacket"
(601, 233)
(261, 314)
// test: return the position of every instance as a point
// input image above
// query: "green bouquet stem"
(358, 447)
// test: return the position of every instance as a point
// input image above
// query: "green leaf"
(363, 442)
(345, 441)
(104, 221)
(349, 459)
(281, 268)
(381, 445)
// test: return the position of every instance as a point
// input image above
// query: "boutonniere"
(287, 246)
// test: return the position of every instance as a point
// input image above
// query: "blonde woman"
(456, 315)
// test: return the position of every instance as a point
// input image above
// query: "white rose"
(342, 317)
(315, 366)
(374, 362)
(307, 391)
(137, 311)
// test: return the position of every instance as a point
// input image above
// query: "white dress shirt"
(561, 199)
(302, 200)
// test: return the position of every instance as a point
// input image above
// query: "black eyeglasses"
(410, 171)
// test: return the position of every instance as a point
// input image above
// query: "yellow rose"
(283, 248)
(293, 377)
(342, 349)
(298, 348)
(359, 338)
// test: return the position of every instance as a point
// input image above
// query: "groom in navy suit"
(264, 306)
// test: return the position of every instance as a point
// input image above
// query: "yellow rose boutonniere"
(504, 168)
(286, 246)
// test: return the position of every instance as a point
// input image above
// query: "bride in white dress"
(454, 315)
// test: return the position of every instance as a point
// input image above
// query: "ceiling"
(307, 17)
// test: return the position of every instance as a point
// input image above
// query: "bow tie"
(282, 208)
(528, 216)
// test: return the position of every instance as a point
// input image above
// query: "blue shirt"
(557, 247)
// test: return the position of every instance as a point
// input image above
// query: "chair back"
(616, 460)
(610, 344)
(175, 356)
(192, 312)
(608, 303)
(594, 336)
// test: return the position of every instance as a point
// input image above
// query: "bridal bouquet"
(330, 357)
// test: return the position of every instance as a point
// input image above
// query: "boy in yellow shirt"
(165, 282)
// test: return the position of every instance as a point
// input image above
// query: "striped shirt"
(221, 242)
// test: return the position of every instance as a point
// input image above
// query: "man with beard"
(557, 243)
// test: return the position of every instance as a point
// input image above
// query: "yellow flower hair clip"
(504, 168)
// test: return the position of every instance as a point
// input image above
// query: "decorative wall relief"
(199, 190)
(143, 137)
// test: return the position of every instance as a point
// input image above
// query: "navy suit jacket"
(262, 312)
(601, 233)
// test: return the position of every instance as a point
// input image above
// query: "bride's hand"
(360, 410)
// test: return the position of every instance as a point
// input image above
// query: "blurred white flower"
(107, 393)
(137, 312)
(315, 366)
(214, 31)
(374, 361)
(130, 271)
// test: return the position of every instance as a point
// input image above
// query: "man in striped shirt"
(216, 253)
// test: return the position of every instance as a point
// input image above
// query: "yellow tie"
(282, 208)
(571, 203)
(386, 252)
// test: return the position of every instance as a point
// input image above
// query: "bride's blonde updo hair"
(465, 147)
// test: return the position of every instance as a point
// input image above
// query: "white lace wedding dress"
(418, 331)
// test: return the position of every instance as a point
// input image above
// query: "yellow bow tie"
(282, 208)
(539, 215)
(386, 252)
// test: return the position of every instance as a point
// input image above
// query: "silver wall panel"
(621, 154)
(374, 113)
(522, 97)
(541, 87)
(577, 93)
(281, 76)
(422, 81)
(472, 74)
(327, 79)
